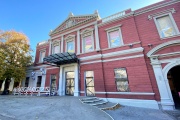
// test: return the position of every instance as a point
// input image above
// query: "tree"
(15, 55)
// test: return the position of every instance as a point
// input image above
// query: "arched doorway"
(174, 84)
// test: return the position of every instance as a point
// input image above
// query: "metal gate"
(89, 84)
(69, 83)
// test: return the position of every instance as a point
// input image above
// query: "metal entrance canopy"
(61, 58)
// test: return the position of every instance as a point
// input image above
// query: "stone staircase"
(99, 103)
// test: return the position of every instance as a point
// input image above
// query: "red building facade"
(131, 57)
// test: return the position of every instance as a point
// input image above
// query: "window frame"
(40, 55)
(85, 81)
(54, 44)
(176, 30)
(128, 90)
(67, 45)
(83, 43)
(109, 30)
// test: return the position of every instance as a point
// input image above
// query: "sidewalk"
(135, 113)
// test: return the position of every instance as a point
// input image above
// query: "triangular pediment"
(72, 21)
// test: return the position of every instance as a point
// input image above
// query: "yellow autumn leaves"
(15, 55)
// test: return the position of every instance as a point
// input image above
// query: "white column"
(97, 37)
(60, 91)
(78, 42)
(11, 84)
(50, 47)
(34, 82)
(23, 82)
(59, 51)
(62, 44)
(166, 102)
(76, 88)
(43, 81)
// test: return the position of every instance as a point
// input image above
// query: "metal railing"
(31, 91)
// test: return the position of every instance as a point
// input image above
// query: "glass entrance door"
(69, 83)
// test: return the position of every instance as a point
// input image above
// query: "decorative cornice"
(116, 19)
(136, 12)
(70, 37)
(172, 10)
(70, 31)
(42, 43)
(163, 45)
(87, 30)
(91, 17)
(114, 27)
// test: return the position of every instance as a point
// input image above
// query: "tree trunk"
(6, 87)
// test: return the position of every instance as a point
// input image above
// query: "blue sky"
(36, 18)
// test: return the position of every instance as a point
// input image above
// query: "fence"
(31, 91)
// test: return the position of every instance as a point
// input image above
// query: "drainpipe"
(103, 75)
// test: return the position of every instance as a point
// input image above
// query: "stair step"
(98, 103)
(88, 98)
(91, 101)
(107, 105)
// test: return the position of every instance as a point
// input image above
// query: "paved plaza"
(68, 108)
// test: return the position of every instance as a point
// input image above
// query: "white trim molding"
(161, 46)
(123, 52)
(134, 102)
(70, 37)
(126, 93)
(148, 9)
(172, 10)
(112, 29)
(114, 59)
(88, 32)
(167, 102)
(112, 54)
(62, 82)
(173, 23)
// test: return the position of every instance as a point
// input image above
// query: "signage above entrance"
(61, 58)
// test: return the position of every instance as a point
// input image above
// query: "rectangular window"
(121, 79)
(89, 80)
(88, 44)
(42, 55)
(27, 82)
(70, 46)
(166, 26)
(39, 81)
(114, 38)
(56, 49)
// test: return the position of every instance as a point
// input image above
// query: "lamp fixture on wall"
(150, 45)
(130, 45)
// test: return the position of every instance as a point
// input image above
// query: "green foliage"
(15, 55)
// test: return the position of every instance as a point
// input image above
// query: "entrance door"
(53, 85)
(174, 83)
(69, 83)
(89, 80)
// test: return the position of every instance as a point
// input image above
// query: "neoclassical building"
(131, 57)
